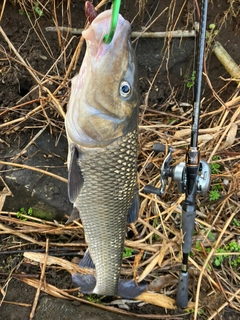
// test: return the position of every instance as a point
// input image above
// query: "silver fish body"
(101, 126)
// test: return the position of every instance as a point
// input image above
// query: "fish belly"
(110, 184)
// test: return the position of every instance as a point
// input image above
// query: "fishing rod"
(193, 175)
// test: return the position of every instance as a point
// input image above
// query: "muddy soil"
(50, 148)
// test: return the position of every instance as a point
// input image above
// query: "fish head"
(103, 104)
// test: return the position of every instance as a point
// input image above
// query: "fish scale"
(107, 194)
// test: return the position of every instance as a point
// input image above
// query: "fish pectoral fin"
(128, 289)
(75, 176)
(86, 282)
(134, 209)
(73, 216)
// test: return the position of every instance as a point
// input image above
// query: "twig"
(19, 56)
(233, 119)
(207, 260)
(17, 303)
(223, 306)
(3, 7)
(6, 124)
(56, 103)
(29, 143)
(41, 281)
(136, 34)
(24, 166)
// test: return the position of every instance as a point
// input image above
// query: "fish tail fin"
(86, 282)
(128, 289)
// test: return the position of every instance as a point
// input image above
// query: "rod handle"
(188, 219)
(159, 147)
(151, 189)
(182, 290)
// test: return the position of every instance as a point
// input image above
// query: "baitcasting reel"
(178, 174)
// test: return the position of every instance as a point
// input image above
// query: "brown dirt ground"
(41, 50)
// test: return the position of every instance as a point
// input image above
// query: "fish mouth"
(94, 35)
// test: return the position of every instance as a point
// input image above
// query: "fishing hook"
(115, 12)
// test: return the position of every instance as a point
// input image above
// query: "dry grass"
(157, 248)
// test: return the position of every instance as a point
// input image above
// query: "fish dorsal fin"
(133, 210)
(75, 176)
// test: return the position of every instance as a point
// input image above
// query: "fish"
(102, 131)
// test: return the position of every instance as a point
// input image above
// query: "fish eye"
(125, 89)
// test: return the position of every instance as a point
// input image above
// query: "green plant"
(127, 252)
(93, 298)
(232, 246)
(197, 246)
(211, 235)
(155, 225)
(211, 33)
(214, 194)
(22, 212)
(215, 167)
(37, 9)
(219, 259)
(200, 311)
(21, 12)
(235, 222)
(189, 310)
(192, 79)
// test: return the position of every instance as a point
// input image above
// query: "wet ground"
(49, 149)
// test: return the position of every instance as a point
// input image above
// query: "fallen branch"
(136, 34)
(227, 61)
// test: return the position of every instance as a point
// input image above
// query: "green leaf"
(215, 167)
(235, 222)
(198, 247)
(214, 195)
(217, 262)
(212, 26)
(211, 236)
(38, 10)
(127, 252)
